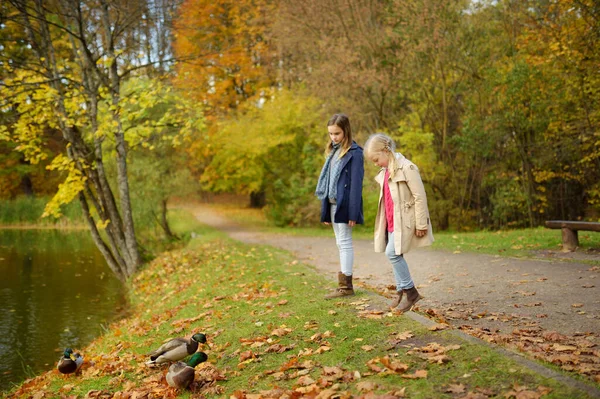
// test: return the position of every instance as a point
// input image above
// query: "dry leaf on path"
(439, 327)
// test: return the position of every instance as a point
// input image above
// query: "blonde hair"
(343, 122)
(379, 144)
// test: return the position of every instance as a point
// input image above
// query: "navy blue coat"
(349, 189)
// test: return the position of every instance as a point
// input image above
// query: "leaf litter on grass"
(254, 349)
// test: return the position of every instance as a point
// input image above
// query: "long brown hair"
(343, 122)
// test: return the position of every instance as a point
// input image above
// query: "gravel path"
(497, 293)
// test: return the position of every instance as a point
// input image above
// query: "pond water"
(56, 291)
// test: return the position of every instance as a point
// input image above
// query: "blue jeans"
(343, 239)
(401, 273)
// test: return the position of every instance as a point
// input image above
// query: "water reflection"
(55, 291)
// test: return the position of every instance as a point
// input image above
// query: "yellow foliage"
(101, 224)
(67, 191)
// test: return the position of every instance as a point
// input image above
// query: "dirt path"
(482, 291)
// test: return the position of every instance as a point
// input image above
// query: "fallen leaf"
(474, 395)
(455, 388)
(281, 331)
(417, 374)
(577, 305)
(305, 380)
(366, 386)
(405, 335)
(564, 348)
(398, 394)
(526, 293)
(247, 355)
(439, 327)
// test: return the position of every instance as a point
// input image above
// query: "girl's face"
(381, 159)
(336, 134)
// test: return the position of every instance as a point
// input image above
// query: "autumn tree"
(345, 53)
(159, 123)
(83, 52)
(560, 39)
(497, 100)
(278, 156)
(226, 55)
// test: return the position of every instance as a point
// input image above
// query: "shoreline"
(42, 227)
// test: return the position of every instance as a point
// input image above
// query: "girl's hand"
(326, 223)
(421, 233)
(351, 223)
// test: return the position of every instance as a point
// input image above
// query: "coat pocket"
(408, 213)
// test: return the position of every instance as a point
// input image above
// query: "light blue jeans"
(401, 273)
(343, 239)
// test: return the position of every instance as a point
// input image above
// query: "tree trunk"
(164, 222)
(121, 149)
(104, 250)
(257, 199)
(26, 185)
(118, 245)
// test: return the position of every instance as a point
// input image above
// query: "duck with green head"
(176, 349)
(181, 374)
(69, 362)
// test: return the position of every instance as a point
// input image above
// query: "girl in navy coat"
(340, 191)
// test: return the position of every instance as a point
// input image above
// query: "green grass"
(25, 211)
(240, 295)
(189, 229)
(517, 243)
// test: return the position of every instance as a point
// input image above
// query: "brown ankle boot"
(412, 297)
(344, 287)
(394, 304)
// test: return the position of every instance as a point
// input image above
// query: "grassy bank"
(270, 330)
(27, 212)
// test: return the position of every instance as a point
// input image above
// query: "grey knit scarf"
(327, 187)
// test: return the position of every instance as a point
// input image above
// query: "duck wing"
(177, 367)
(180, 377)
(78, 360)
(169, 346)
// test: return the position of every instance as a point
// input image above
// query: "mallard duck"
(70, 362)
(181, 374)
(176, 349)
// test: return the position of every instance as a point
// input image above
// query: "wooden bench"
(570, 241)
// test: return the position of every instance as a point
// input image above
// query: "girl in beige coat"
(402, 222)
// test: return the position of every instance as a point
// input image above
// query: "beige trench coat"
(410, 209)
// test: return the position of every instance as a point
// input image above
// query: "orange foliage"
(225, 52)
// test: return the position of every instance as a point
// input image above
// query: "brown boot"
(344, 287)
(412, 297)
(394, 304)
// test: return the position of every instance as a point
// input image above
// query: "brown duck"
(181, 374)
